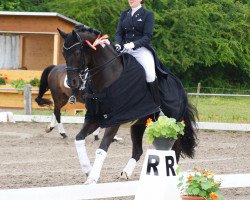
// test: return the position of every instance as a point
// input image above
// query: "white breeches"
(146, 59)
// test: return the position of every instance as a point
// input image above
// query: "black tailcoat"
(137, 28)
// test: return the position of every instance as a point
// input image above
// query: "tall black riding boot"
(154, 89)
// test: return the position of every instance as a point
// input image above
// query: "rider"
(133, 35)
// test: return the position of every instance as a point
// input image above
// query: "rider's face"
(134, 3)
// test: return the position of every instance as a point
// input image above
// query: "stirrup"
(72, 99)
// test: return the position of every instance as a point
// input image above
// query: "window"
(9, 51)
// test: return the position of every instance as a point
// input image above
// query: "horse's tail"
(189, 140)
(43, 87)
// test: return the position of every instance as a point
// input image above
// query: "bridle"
(83, 69)
(69, 50)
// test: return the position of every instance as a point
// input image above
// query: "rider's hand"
(129, 46)
(118, 47)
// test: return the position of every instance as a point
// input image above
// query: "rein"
(101, 67)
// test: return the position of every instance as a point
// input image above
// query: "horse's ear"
(64, 35)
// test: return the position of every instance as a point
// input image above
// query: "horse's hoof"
(90, 181)
(49, 129)
(116, 139)
(63, 135)
(124, 176)
(96, 138)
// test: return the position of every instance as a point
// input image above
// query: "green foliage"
(35, 82)
(201, 183)
(164, 127)
(206, 33)
(23, 5)
(100, 14)
(20, 83)
(2, 81)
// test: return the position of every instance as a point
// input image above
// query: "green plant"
(201, 183)
(164, 127)
(3, 79)
(20, 83)
(35, 82)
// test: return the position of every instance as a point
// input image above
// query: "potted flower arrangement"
(163, 132)
(200, 185)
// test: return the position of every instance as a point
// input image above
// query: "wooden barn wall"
(37, 51)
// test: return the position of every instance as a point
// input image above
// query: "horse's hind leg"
(52, 124)
(101, 154)
(137, 131)
(56, 119)
(62, 132)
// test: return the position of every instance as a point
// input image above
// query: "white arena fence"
(102, 190)
(76, 120)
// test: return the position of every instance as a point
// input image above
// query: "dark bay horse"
(52, 79)
(83, 50)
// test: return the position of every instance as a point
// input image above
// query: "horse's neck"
(106, 72)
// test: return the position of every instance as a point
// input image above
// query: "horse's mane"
(83, 28)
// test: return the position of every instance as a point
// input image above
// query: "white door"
(9, 51)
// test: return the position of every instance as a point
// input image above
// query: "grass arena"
(31, 158)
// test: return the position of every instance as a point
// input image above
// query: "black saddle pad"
(127, 99)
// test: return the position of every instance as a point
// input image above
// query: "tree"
(23, 5)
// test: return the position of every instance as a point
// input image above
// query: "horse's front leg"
(87, 129)
(101, 154)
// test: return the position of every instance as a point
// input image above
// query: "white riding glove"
(127, 47)
(118, 47)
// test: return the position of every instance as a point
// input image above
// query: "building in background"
(30, 40)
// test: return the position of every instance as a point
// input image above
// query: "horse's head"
(76, 51)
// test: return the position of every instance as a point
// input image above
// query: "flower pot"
(184, 197)
(161, 143)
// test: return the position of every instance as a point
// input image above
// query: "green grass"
(223, 109)
(210, 109)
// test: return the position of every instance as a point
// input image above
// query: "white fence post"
(27, 99)
(198, 92)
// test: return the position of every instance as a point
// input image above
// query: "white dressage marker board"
(158, 178)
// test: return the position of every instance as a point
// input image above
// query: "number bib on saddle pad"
(127, 99)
